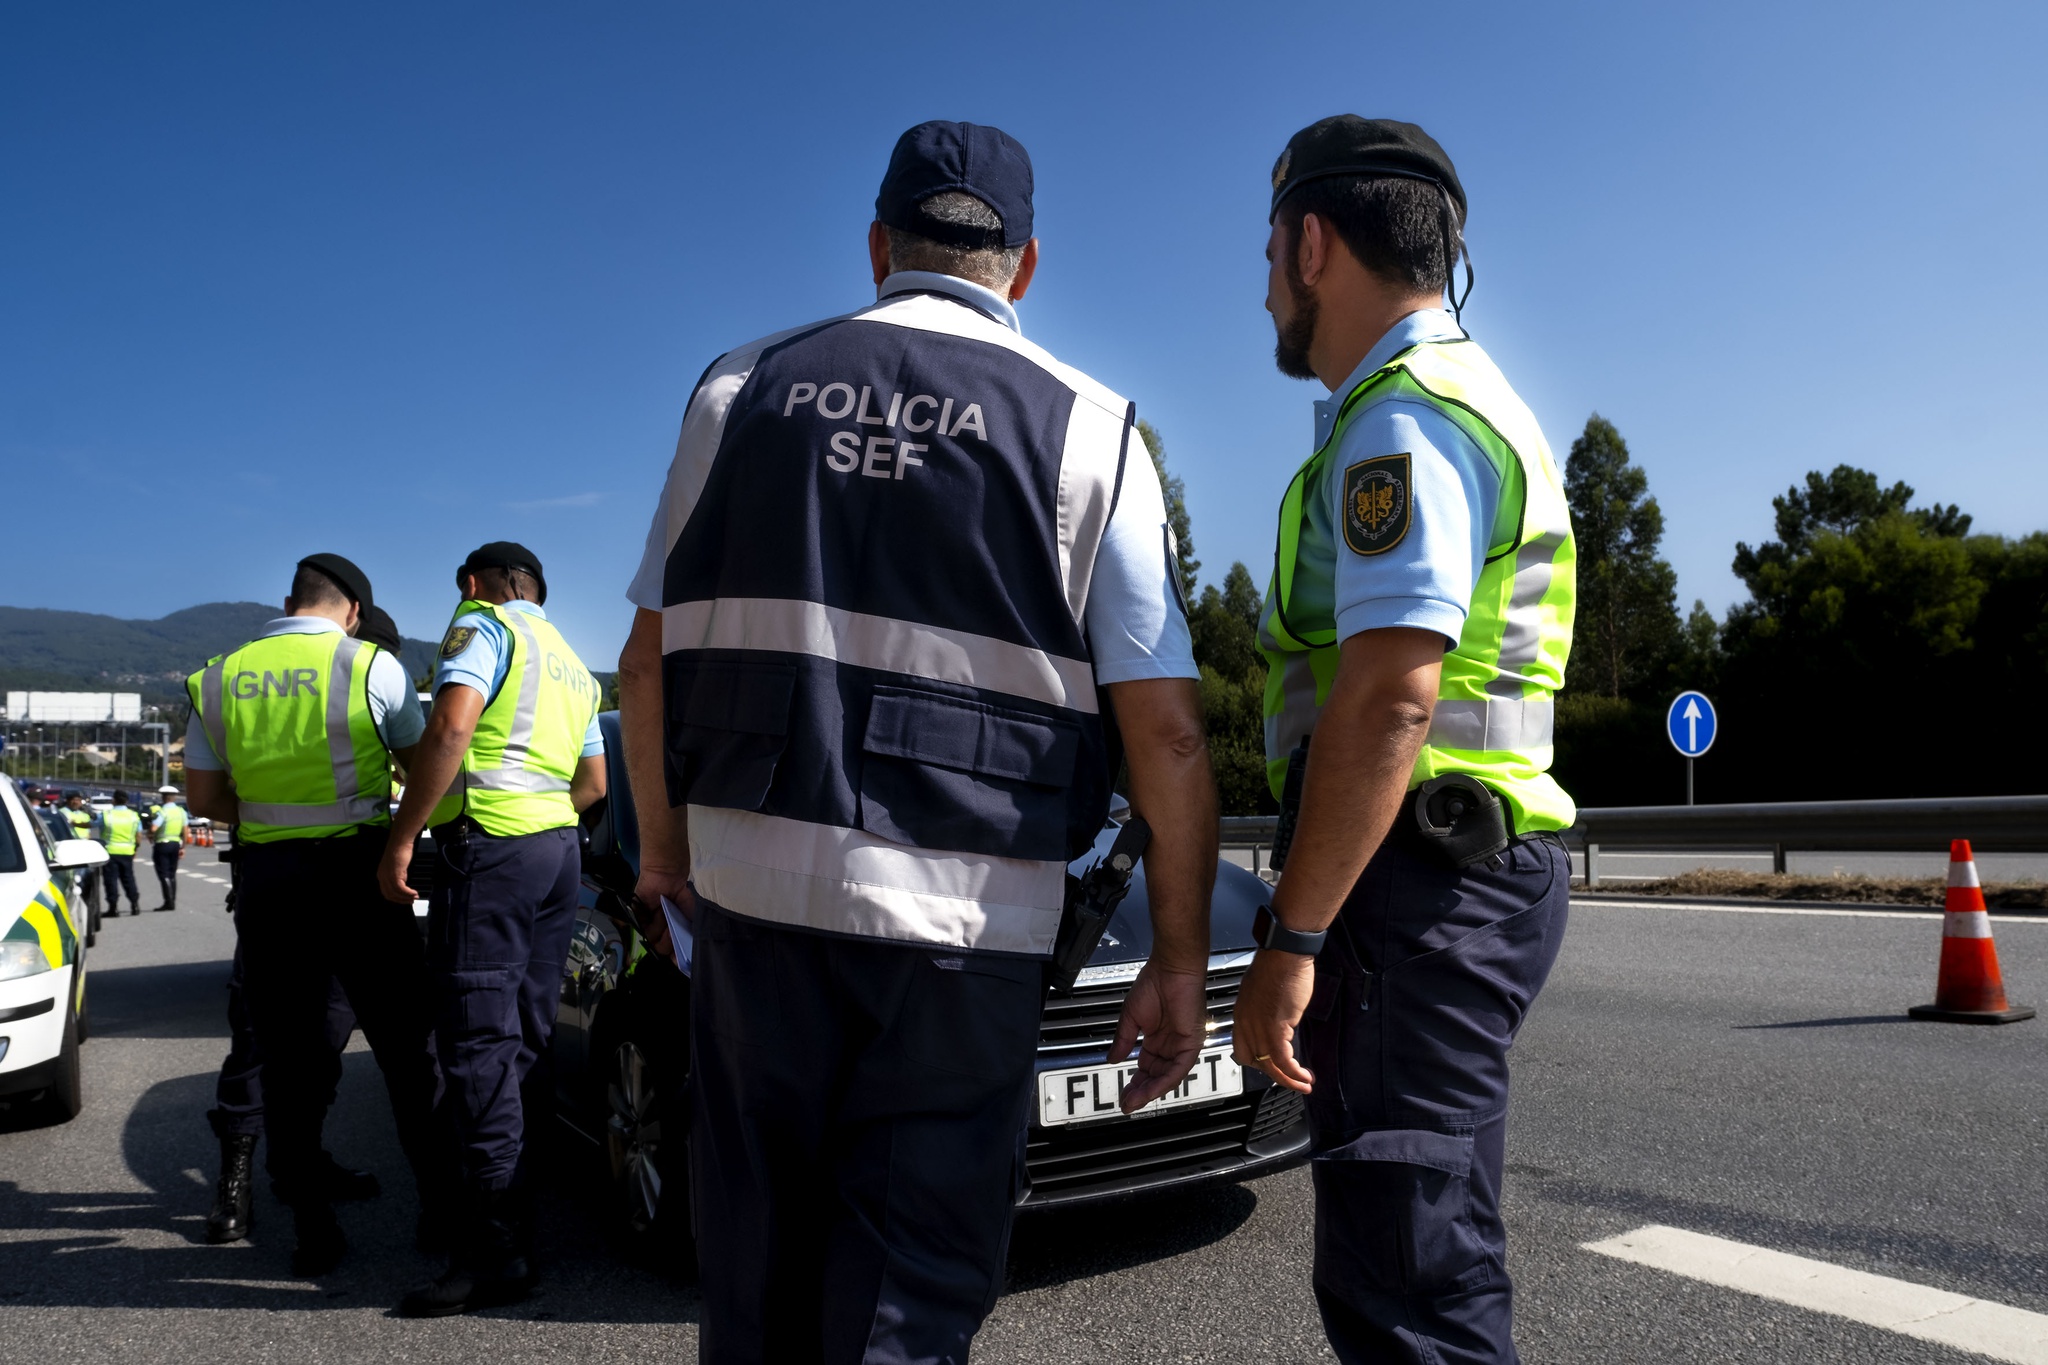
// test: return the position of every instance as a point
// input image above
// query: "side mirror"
(77, 853)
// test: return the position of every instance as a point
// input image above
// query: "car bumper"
(32, 1014)
(1256, 1133)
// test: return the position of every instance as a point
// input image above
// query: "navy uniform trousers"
(119, 873)
(238, 1094)
(308, 912)
(498, 924)
(1419, 992)
(857, 1144)
(164, 856)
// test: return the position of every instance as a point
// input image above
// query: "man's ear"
(355, 617)
(291, 604)
(1027, 266)
(1311, 249)
(878, 251)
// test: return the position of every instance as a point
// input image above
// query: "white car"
(42, 961)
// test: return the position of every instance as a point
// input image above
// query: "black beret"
(505, 554)
(938, 156)
(379, 629)
(351, 580)
(1350, 145)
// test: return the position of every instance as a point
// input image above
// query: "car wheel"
(649, 1180)
(66, 1095)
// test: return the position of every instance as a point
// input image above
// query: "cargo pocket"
(479, 1003)
(1396, 1212)
(946, 773)
(729, 723)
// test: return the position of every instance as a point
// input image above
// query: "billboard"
(74, 708)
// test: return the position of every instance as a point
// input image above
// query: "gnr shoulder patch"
(1377, 505)
(456, 640)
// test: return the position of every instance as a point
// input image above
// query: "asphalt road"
(1749, 1076)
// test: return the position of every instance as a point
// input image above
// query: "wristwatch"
(1269, 932)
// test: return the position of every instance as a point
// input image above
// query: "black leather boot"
(321, 1245)
(486, 1269)
(234, 1200)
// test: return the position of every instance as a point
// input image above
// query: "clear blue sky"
(394, 280)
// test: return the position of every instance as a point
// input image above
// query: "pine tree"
(1176, 507)
(1627, 628)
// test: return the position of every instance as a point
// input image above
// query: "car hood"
(1237, 897)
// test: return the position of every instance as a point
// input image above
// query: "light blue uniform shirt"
(483, 662)
(394, 706)
(1135, 626)
(1425, 581)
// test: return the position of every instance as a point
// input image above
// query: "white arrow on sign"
(1692, 722)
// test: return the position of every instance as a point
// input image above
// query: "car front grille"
(1084, 1020)
(1084, 1160)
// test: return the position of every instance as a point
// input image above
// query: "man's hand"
(1167, 1009)
(391, 872)
(1269, 1009)
(656, 882)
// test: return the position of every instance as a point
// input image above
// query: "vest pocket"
(943, 772)
(728, 726)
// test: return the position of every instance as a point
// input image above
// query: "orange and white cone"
(1970, 990)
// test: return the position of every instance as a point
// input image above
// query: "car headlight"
(21, 959)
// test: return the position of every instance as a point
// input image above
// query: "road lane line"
(1913, 1310)
(1929, 913)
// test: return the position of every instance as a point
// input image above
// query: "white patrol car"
(42, 961)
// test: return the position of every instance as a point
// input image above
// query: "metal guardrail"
(1992, 824)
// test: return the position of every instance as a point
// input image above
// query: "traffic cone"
(1970, 990)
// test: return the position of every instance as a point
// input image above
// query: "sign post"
(1691, 723)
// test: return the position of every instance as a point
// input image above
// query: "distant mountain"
(77, 650)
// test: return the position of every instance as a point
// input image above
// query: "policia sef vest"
(289, 718)
(881, 705)
(1495, 702)
(516, 773)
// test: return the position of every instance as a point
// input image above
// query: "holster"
(1461, 819)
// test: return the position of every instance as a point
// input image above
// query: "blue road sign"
(1690, 723)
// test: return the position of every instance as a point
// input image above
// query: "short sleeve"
(1137, 627)
(473, 653)
(645, 589)
(199, 752)
(1415, 501)
(593, 740)
(394, 706)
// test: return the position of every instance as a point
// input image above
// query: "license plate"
(1091, 1092)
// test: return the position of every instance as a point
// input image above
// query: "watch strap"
(1269, 932)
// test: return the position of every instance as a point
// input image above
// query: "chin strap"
(1454, 247)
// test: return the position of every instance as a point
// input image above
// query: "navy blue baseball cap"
(971, 157)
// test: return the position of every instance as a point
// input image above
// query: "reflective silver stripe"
(341, 748)
(882, 643)
(354, 811)
(1521, 637)
(1496, 724)
(514, 780)
(211, 716)
(519, 739)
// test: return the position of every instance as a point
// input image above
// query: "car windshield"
(12, 859)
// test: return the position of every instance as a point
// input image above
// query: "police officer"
(237, 1115)
(511, 754)
(1416, 627)
(291, 740)
(898, 553)
(167, 844)
(120, 829)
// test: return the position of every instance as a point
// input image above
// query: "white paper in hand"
(679, 934)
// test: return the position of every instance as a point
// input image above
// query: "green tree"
(1176, 507)
(1223, 628)
(1627, 628)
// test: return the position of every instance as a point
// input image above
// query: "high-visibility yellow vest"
(289, 717)
(120, 826)
(516, 773)
(1496, 699)
(81, 822)
(173, 831)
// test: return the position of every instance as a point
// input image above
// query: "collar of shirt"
(530, 608)
(302, 625)
(968, 292)
(1427, 324)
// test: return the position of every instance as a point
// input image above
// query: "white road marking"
(1929, 912)
(1913, 1310)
